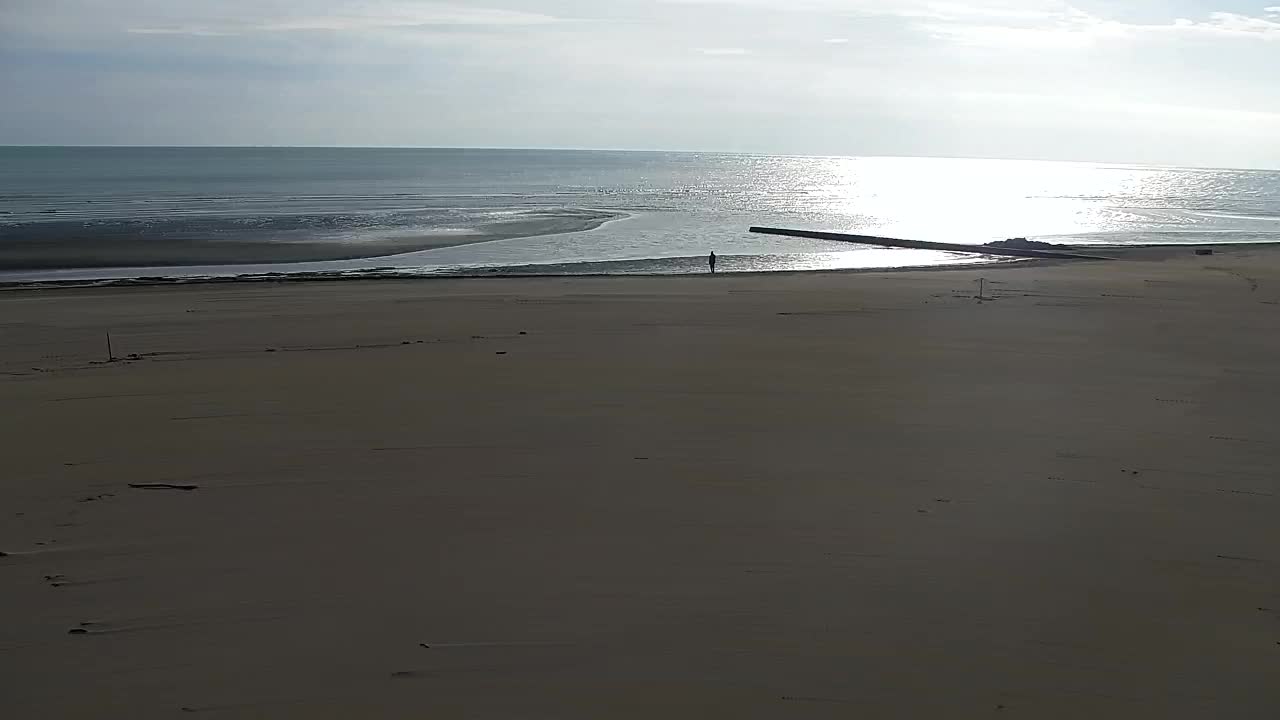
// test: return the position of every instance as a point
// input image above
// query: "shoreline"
(384, 274)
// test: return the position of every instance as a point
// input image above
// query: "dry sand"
(843, 495)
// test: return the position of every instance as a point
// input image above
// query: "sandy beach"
(811, 496)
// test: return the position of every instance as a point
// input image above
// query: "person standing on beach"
(712, 262)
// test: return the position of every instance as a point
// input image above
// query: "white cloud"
(837, 41)
(1070, 27)
(179, 30)
(723, 51)
(239, 17)
(1021, 24)
(1234, 23)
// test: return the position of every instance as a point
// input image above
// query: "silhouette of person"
(712, 262)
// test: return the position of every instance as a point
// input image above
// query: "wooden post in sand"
(111, 356)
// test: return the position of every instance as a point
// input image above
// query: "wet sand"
(150, 244)
(830, 495)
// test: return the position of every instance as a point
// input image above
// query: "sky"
(1173, 82)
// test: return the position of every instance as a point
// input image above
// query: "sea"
(116, 213)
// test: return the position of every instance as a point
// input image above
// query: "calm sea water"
(66, 209)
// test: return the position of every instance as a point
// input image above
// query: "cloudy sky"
(1161, 81)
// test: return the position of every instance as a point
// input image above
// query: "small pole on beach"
(111, 356)
(982, 289)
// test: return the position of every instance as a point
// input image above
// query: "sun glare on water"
(975, 201)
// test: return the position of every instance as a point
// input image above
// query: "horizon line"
(654, 151)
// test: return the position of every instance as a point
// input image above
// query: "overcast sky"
(1160, 81)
